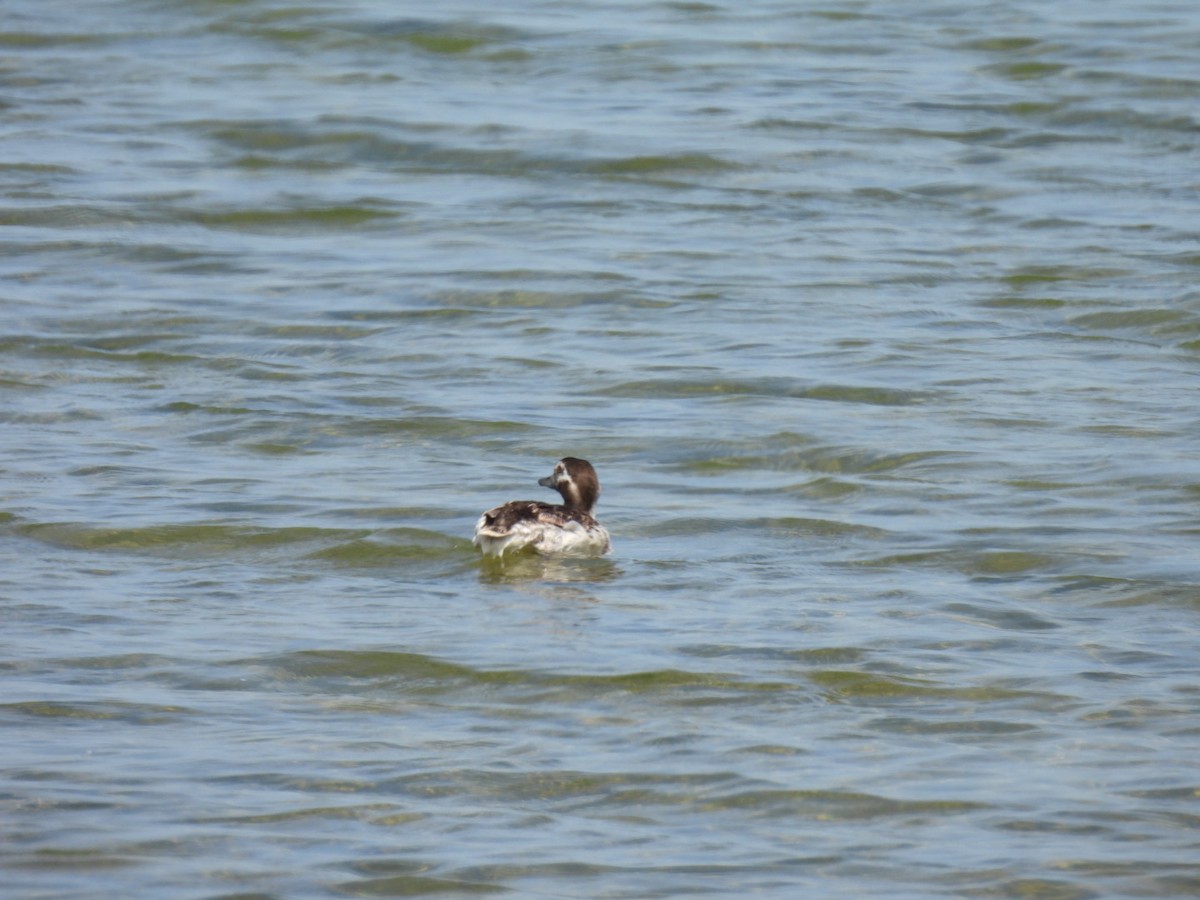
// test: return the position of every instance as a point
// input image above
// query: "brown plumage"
(545, 527)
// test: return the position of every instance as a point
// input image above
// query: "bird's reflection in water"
(523, 568)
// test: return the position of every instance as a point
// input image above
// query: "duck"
(549, 529)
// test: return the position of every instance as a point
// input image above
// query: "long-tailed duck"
(548, 529)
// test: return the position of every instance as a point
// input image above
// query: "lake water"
(880, 322)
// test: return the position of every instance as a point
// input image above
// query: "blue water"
(879, 322)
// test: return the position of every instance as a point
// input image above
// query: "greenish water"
(879, 322)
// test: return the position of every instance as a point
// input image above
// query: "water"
(879, 321)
